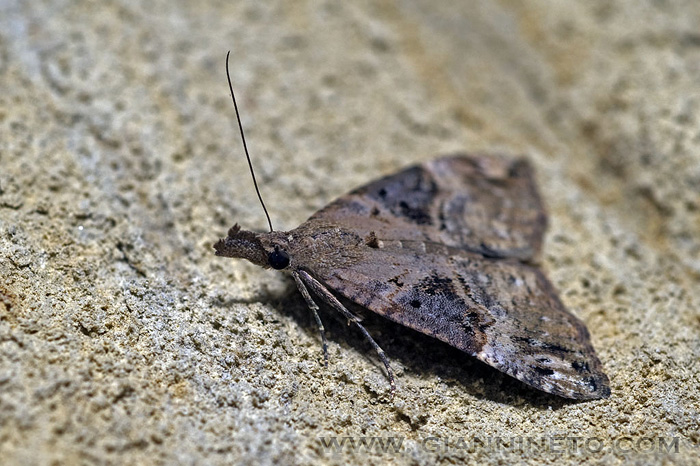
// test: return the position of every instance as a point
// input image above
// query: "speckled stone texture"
(123, 339)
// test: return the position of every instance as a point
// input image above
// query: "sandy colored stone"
(123, 339)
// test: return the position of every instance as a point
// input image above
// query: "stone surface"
(123, 339)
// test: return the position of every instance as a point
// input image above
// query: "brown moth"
(447, 248)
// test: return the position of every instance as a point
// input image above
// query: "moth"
(448, 248)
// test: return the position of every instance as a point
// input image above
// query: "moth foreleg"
(314, 310)
(332, 301)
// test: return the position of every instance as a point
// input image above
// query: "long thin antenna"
(245, 146)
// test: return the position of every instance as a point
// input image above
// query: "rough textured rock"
(123, 339)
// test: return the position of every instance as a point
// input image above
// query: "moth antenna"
(245, 146)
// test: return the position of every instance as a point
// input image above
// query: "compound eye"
(278, 259)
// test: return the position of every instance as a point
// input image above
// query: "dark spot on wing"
(396, 281)
(472, 320)
(555, 348)
(543, 370)
(592, 383)
(580, 366)
(415, 214)
(439, 313)
(436, 285)
(478, 320)
(409, 196)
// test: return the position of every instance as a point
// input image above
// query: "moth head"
(263, 249)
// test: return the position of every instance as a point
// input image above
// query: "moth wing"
(503, 312)
(488, 205)
(440, 248)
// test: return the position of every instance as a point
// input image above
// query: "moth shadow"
(417, 353)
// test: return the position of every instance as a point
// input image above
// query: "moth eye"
(278, 259)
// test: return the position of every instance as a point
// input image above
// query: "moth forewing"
(446, 248)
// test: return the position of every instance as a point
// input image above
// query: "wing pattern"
(446, 248)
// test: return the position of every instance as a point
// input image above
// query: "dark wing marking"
(488, 205)
(441, 248)
(503, 312)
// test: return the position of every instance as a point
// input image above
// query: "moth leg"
(314, 310)
(332, 301)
